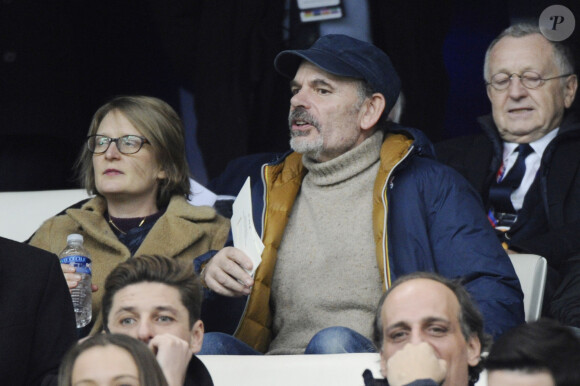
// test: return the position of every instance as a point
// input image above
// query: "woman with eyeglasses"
(134, 163)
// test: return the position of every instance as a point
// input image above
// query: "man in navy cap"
(358, 203)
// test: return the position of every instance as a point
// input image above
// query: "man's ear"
(570, 90)
(371, 111)
(473, 351)
(489, 91)
(197, 336)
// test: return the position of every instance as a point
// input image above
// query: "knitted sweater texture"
(326, 274)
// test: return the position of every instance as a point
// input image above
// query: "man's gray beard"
(311, 149)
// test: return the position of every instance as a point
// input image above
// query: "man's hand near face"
(173, 355)
(413, 362)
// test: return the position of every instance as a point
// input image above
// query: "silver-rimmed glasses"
(529, 79)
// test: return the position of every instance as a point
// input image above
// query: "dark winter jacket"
(478, 158)
(426, 217)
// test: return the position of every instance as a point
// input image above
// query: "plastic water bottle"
(76, 255)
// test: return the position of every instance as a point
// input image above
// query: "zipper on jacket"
(386, 269)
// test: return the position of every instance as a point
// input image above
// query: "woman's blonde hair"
(162, 127)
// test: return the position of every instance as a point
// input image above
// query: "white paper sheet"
(243, 230)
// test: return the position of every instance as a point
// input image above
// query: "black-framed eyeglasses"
(529, 79)
(127, 144)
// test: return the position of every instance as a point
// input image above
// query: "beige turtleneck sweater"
(326, 272)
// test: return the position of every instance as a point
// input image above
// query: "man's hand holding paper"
(230, 272)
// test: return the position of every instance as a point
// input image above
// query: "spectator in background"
(158, 301)
(134, 162)
(526, 164)
(540, 353)
(37, 322)
(429, 332)
(111, 359)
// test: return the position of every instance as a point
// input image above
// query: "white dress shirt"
(532, 164)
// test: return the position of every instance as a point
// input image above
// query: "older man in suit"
(526, 164)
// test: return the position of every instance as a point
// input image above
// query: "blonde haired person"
(134, 163)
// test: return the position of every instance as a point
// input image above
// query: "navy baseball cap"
(349, 57)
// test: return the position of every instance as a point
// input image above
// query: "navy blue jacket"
(435, 222)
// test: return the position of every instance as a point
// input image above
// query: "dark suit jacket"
(37, 323)
(549, 221)
(478, 159)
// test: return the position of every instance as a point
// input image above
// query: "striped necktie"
(500, 192)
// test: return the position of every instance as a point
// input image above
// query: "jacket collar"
(570, 127)
(421, 143)
(180, 226)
